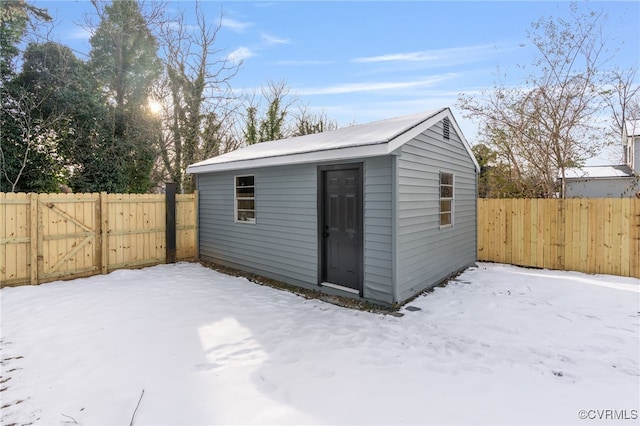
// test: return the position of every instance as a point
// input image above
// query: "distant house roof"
(632, 127)
(364, 140)
(598, 172)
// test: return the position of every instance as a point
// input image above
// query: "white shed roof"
(365, 140)
(595, 172)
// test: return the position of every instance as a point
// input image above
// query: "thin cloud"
(411, 57)
(80, 34)
(301, 63)
(373, 86)
(468, 52)
(234, 25)
(272, 40)
(240, 54)
(347, 113)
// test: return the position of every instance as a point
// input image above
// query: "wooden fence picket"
(600, 236)
(58, 236)
(45, 237)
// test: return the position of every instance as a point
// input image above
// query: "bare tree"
(550, 124)
(196, 97)
(33, 148)
(273, 121)
(307, 122)
(274, 126)
(622, 95)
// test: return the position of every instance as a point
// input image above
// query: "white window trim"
(235, 200)
(452, 199)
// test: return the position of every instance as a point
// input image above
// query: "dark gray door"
(341, 227)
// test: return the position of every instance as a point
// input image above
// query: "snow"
(598, 172)
(632, 127)
(374, 133)
(497, 345)
(378, 138)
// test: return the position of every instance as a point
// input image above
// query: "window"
(446, 199)
(245, 200)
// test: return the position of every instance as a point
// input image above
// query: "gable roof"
(598, 172)
(364, 140)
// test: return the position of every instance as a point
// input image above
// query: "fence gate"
(68, 236)
(48, 237)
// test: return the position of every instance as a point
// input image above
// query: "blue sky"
(364, 61)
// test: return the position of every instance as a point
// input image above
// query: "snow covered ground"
(498, 345)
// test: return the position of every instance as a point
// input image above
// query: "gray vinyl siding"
(282, 244)
(378, 211)
(428, 253)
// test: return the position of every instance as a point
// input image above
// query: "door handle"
(325, 234)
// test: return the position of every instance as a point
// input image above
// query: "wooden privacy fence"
(599, 236)
(45, 237)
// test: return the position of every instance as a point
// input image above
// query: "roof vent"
(445, 128)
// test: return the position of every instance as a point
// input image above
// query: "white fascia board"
(410, 134)
(397, 142)
(308, 157)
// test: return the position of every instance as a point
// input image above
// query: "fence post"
(171, 222)
(33, 237)
(103, 218)
(196, 208)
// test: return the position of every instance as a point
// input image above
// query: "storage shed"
(378, 211)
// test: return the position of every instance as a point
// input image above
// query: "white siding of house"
(636, 155)
(621, 187)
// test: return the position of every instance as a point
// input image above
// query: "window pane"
(246, 192)
(246, 204)
(246, 215)
(446, 179)
(244, 181)
(445, 206)
(446, 191)
(445, 218)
